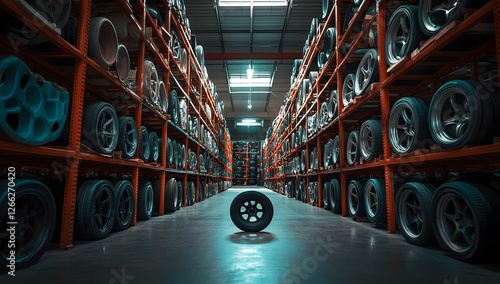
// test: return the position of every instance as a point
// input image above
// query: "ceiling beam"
(254, 56)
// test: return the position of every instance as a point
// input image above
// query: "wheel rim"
(353, 199)
(352, 149)
(145, 147)
(130, 138)
(251, 210)
(155, 151)
(456, 223)
(125, 207)
(176, 45)
(149, 199)
(32, 218)
(324, 113)
(398, 37)
(348, 90)
(333, 104)
(336, 150)
(107, 132)
(402, 128)
(366, 141)
(102, 210)
(372, 200)
(364, 73)
(436, 16)
(450, 115)
(411, 214)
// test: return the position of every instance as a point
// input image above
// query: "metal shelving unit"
(403, 79)
(246, 162)
(87, 81)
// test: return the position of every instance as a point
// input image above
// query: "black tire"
(95, 209)
(329, 42)
(303, 159)
(122, 63)
(173, 106)
(103, 42)
(128, 137)
(413, 212)
(326, 8)
(251, 211)
(170, 152)
(407, 125)
(336, 197)
(124, 205)
(355, 199)
(36, 217)
(375, 204)
(327, 192)
(154, 152)
(100, 127)
(367, 72)
(171, 195)
(327, 154)
(370, 143)
(465, 220)
(352, 148)
(460, 115)
(145, 200)
(403, 33)
(348, 93)
(192, 197)
(145, 147)
(431, 23)
(333, 105)
(162, 90)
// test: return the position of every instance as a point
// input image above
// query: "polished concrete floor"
(303, 244)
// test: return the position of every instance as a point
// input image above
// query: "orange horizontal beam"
(254, 56)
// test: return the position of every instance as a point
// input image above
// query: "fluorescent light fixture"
(249, 124)
(249, 106)
(248, 120)
(249, 73)
(245, 82)
(245, 3)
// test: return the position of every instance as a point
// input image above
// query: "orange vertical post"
(69, 203)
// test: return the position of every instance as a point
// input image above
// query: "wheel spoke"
(105, 201)
(454, 104)
(404, 25)
(404, 136)
(406, 117)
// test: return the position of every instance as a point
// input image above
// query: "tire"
(336, 197)
(154, 152)
(124, 205)
(162, 90)
(352, 148)
(375, 201)
(173, 106)
(100, 127)
(170, 152)
(145, 200)
(192, 196)
(403, 33)
(327, 154)
(324, 117)
(370, 139)
(326, 8)
(413, 212)
(257, 214)
(329, 43)
(95, 209)
(327, 192)
(150, 84)
(367, 72)
(431, 23)
(200, 55)
(472, 208)
(128, 137)
(348, 93)
(36, 217)
(171, 199)
(407, 125)
(355, 198)
(333, 105)
(459, 115)
(103, 42)
(303, 163)
(122, 63)
(145, 147)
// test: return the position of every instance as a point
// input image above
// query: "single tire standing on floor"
(251, 211)
(36, 208)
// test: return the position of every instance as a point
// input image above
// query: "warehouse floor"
(303, 244)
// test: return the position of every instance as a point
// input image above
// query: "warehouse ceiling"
(265, 39)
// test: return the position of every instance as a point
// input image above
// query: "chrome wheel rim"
(371, 200)
(352, 149)
(107, 133)
(102, 210)
(436, 16)
(398, 36)
(353, 199)
(348, 93)
(402, 128)
(366, 141)
(364, 73)
(411, 214)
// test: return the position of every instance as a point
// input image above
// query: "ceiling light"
(248, 120)
(249, 106)
(243, 3)
(249, 73)
(245, 82)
